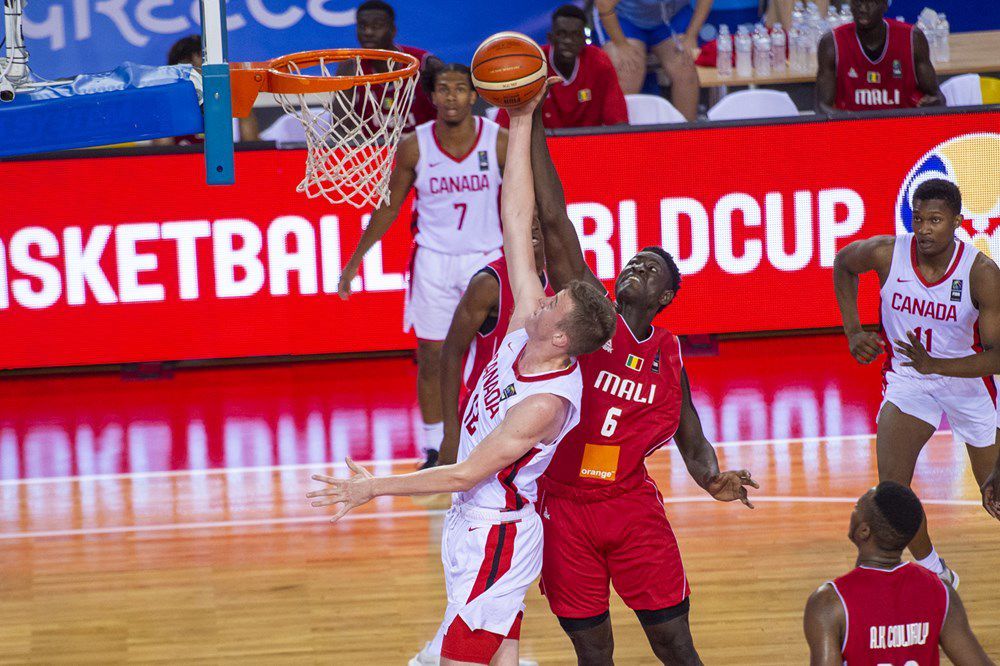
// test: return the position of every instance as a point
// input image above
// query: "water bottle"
(779, 53)
(845, 14)
(744, 52)
(762, 52)
(724, 55)
(943, 30)
(832, 17)
(927, 27)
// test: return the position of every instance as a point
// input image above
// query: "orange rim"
(248, 79)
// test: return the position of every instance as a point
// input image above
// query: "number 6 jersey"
(941, 313)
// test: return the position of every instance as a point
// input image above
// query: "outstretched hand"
(529, 107)
(731, 485)
(916, 354)
(349, 493)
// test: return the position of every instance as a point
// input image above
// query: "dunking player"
(875, 63)
(527, 398)
(603, 515)
(943, 296)
(455, 164)
(887, 611)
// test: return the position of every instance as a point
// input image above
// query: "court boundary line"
(391, 515)
(319, 466)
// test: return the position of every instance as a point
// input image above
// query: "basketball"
(508, 69)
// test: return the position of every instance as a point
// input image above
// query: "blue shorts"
(649, 36)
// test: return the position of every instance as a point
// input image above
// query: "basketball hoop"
(352, 121)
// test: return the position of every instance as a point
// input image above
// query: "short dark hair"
(675, 273)
(450, 67)
(939, 188)
(184, 49)
(592, 321)
(569, 11)
(896, 515)
(377, 5)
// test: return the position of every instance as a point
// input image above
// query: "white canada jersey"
(940, 313)
(499, 388)
(457, 208)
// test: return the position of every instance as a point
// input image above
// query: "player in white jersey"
(455, 163)
(941, 334)
(527, 398)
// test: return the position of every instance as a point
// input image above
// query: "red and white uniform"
(491, 545)
(945, 319)
(894, 616)
(603, 514)
(486, 343)
(888, 82)
(457, 224)
(590, 97)
(422, 109)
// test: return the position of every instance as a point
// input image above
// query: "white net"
(351, 135)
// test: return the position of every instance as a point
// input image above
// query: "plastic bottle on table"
(943, 30)
(779, 53)
(744, 52)
(724, 55)
(832, 17)
(762, 52)
(845, 14)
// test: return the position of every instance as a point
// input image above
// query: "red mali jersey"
(631, 406)
(894, 616)
(422, 110)
(889, 82)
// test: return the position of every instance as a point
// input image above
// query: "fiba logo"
(971, 161)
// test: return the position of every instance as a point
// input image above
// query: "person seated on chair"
(589, 94)
(187, 51)
(669, 28)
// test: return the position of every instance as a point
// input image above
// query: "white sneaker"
(426, 658)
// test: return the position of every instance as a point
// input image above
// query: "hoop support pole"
(217, 99)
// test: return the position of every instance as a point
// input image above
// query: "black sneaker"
(432, 459)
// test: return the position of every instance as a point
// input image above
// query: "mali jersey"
(889, 82)
(422, 109)
(894, 616)
(941, 313)
(485, 344)
(631, 407)
(500, 387)
(457, 208)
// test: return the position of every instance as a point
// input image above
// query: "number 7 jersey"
(941, 313)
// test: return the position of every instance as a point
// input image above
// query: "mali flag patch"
(634, 362)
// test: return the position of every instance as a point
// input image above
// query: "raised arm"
(824, 624)
(563, 256)
(927, 81)
(826, 76)
(400, 182)
(957, 639)
(478, 301)
(700, 459)
(872, 254)
(538, 418)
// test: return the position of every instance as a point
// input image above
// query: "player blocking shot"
(940, 313)
(526, 400)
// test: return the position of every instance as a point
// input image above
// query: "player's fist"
(344, 286)
(991, 494)
(865, 346)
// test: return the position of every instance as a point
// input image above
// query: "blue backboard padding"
(78, 121)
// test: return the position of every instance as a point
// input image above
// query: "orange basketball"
(508, 69)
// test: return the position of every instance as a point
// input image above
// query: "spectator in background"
(875, 63)
(376, 29)
(668, 28)
(589, 94)
(187, 51)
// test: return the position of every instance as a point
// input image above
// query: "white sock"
(431, 435)
(932, 562)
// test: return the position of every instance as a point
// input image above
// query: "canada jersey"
(940, 313)
(894, 616)
(485, 345)
(888, 82)
(500, 388)
(457, 208)
(631, 407)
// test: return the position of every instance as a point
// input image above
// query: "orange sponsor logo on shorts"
(599, 462)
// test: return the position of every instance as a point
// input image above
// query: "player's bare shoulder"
(984, 278)
(868, 254)
(408, 151)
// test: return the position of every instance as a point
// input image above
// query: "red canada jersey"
(889, 82)
(631, 406)
(894, 616)
(485, 344)
(422, 110)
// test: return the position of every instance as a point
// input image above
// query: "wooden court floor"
(232, 565)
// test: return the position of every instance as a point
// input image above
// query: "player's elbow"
(463, 478)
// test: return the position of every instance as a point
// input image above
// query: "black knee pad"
(571, 624)
(650, 617)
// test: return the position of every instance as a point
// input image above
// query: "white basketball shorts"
(969, 404)
(437, 282)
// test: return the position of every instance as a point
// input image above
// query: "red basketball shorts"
(625, 541)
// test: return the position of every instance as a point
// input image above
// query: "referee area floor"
(166, 520)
